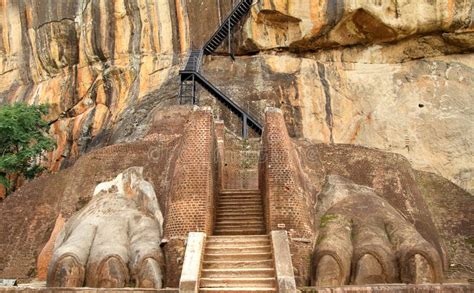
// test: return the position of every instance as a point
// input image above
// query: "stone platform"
(25, 289)
(398, 288)
(385, 288)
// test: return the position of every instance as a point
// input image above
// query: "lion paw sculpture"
(114, 241)
(364, 240)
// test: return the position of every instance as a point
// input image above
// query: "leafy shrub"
(23, 141)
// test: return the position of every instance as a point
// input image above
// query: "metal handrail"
(193, 60)
(225, 22)
(193, 65)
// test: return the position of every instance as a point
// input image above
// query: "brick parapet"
(192, 185)
(287, 203)
(193, 188)
(285, 197)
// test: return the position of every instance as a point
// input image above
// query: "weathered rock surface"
(455, 228)
(29, 215)
(104, 65)
(421, 109)
(393, 75)
(307, 25)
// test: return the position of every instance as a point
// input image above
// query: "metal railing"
(190, 72)
(226, 25)
(194, 60)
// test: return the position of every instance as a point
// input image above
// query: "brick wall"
(190, 204)
(240, 166)
(220, 133)
(287, 203)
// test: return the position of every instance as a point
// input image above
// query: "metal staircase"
(239, 11)
(190, 74)
(187, 90)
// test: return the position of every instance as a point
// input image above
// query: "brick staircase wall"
(193, 187)
(287, 203)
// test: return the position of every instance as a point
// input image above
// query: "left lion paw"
(114, 240)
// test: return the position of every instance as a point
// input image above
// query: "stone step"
(243, 201)
(256, 227)
(229, 213)
(240, 199)
(247, 231)
(238, 273)
(237, 282)
(238, 264)
(237, 239)
(236, 212)
(248, 203)
(243, 211)
(229, 249)
(238, 290)
(239, 217)
(231, 220)
(238, 256)
(240, 191)
(242, 205)
(239, 205)
(242, 226)
(240, 196)
(225, 245)
(238, 222)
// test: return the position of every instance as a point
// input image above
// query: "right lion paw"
(364, 240)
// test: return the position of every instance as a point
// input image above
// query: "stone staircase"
(239, 212)
(239, 257)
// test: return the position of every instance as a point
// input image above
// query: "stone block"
(283, 265)
(190, 274)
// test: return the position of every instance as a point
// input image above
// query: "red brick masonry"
(190, 204)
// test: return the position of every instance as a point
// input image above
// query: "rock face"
(420, 109)
(393, 75)
(29, 215)
(307, 25)
(103, 66)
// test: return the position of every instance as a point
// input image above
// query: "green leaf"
(23, 139)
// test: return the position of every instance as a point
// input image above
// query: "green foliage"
(23, 140)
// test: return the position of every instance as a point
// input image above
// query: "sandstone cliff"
(394, 75)
(385, 74)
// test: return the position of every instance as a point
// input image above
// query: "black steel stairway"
(190, 73)
(239, 11)
(187, 91)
